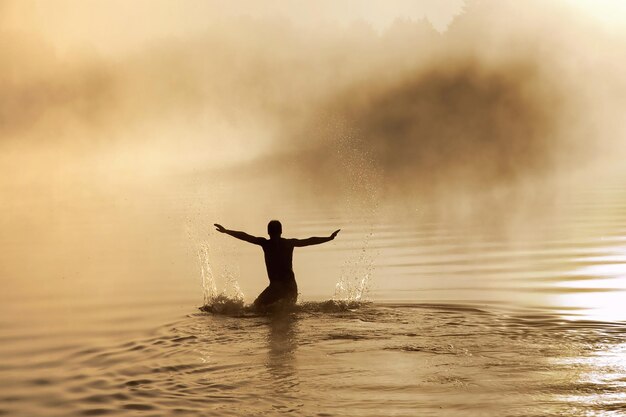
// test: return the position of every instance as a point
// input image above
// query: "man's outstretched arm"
(315, 240)
(239, 235)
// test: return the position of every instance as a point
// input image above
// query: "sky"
(117, 26)
(114, 26)
(123, 56)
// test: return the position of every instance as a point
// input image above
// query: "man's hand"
(334, 235)
(219, 228)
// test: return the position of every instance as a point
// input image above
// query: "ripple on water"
(96, 412)
(328, 356)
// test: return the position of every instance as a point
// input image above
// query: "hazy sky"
(113, 26)
(117, 26)
(194, 58)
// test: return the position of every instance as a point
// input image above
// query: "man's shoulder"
(290, 241)
(281, 241)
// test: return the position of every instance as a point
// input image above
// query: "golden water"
(101, 294)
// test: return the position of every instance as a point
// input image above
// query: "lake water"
(101, 294)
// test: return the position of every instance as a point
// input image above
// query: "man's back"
(278, 259)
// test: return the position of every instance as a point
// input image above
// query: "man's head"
(274, 228)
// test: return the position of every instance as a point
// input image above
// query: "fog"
(489, 100)
(448, 107)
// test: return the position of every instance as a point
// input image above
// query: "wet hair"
(274, 228)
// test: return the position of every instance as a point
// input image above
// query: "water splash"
(211, 257)
(362, 185)
(354, 281)
(223, 305)
(231, 290)
(209, 289)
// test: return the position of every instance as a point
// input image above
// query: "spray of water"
(361, 184)
(354, 280)
(231, 290)
(209, 289)
(230, 299)
(198, 224)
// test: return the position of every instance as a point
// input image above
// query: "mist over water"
(471, 152)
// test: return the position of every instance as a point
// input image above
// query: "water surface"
(100, 312)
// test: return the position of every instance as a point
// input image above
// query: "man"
(278, 253)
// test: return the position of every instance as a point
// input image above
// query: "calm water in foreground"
(99, 317)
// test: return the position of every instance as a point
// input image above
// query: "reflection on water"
(604, 275)
(601, 377)
(282, 341)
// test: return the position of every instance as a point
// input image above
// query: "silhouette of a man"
(278, 253)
